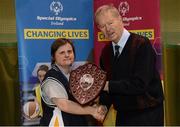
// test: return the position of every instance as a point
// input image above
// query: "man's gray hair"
(105, 8)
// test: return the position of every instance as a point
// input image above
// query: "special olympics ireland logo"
(56, 7)
(123, 8)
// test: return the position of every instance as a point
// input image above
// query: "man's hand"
(101, 112)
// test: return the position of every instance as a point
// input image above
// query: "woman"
(55, 90)
(37, 97)
(40, 74)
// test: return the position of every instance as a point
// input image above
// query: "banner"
(39, 23)
(141, 17)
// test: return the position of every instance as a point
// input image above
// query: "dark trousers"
(147, 117)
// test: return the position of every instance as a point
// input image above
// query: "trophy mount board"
(86, 82)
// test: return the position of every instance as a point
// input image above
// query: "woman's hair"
(58, 43)
(43, 68)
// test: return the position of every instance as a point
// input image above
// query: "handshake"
(100, 112)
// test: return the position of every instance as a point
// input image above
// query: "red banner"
(139, 16)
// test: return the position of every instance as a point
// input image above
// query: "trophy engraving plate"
(86, 82)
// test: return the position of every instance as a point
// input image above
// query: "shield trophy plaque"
(86, 82)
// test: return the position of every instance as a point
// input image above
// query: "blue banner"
(40, 22)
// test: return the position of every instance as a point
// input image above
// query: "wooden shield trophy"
(86, 82)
